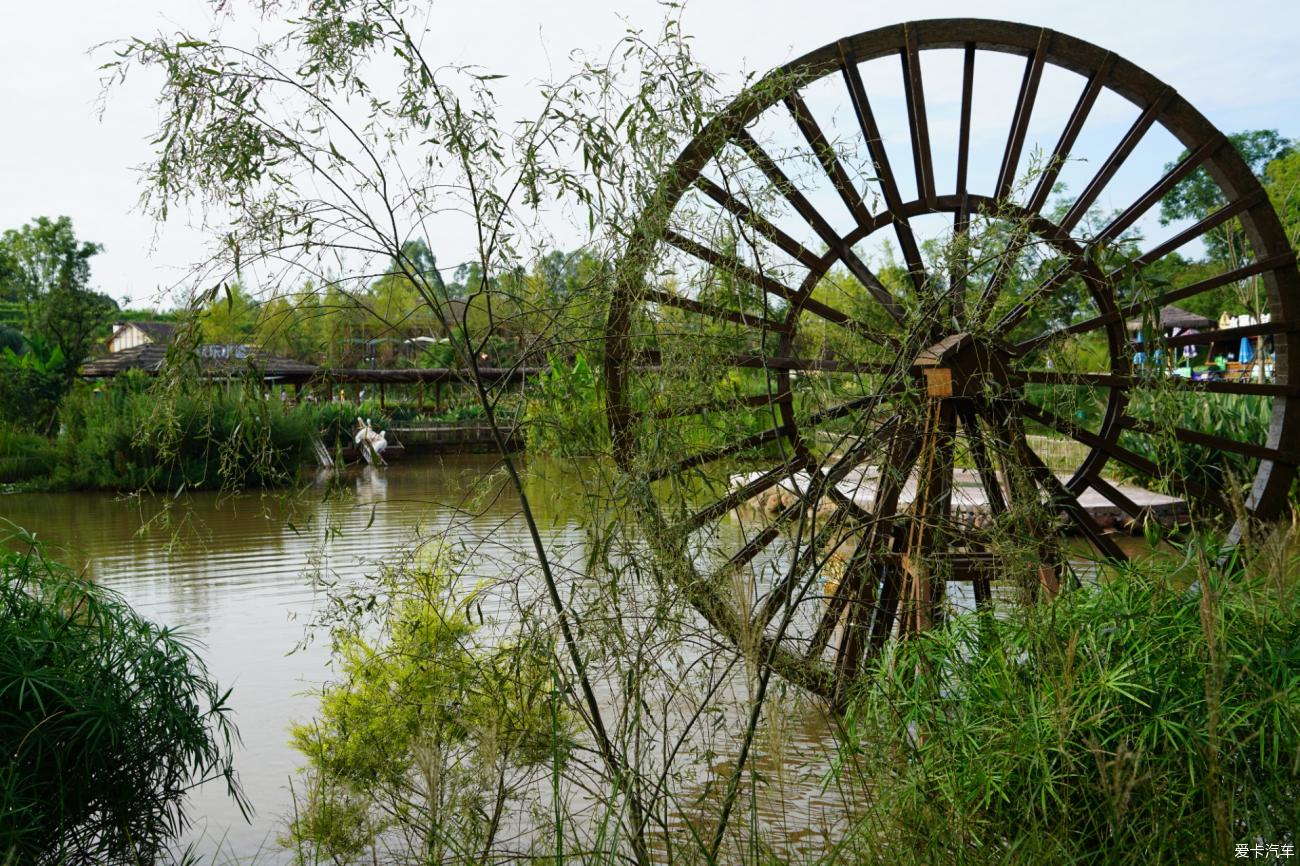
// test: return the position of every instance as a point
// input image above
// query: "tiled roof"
(150, 358)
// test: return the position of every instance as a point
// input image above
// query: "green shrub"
(566, 415)
(429, 732)
(106, 721)
(24, 456)
(29, 396)
(130, 436)
(1135, 721)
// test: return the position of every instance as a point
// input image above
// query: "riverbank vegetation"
(1151, 713)
(107, 720)
(1152, 717)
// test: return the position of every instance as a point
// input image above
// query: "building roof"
(213, 361)
(1174, 317)
(159, 332)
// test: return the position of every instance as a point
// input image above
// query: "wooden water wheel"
(762, 338)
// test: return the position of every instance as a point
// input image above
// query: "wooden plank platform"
(968, 498)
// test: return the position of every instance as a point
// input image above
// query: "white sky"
(1236, 61)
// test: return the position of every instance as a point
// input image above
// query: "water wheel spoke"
(1272, 263)
(1123, 455)
(1039, 293)
(731, 265)
(856, 584)
(1205, 338)
(1159, 190)
(1064, 499)
(983, 462)
(959, 271)
(761, 323)
(1191, 233)
(1069, 134)
(888, 183)
(997, 503)
(959, 275)
(755, 221)
(820, 226)
(706, 457)
(867, 627)
(817, 484)
(825, 154)
(855, 406)
(1117, 497)
(1006, 264)
(918, 125)
(964, 119)
(1171, 383)
(1121, 222)
(745, 493)
(1113, 162)
(1210, 440)
(811, 560)
(1020, 116)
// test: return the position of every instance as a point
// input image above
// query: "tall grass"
(1134, 721)
(128, 436)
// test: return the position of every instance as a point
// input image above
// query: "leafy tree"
(1198, 195)
(1282, 180)
(292, 326)
(41, 255)
(44, 267)
(73, 319)
(230, 317)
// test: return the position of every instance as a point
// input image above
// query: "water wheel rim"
(1104, 71)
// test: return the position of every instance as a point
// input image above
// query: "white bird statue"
(369, 443)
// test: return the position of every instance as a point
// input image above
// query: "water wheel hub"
(963, 366)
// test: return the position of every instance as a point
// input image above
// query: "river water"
(241, 575)
(237, 573)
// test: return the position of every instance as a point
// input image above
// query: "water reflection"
(236, 573)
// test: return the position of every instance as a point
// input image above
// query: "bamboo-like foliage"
(107, 721)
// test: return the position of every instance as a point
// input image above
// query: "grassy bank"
(129, 434)
(1134, 721)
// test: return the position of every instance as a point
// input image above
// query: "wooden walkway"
(969, 502)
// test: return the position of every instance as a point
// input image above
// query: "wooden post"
(381, 395)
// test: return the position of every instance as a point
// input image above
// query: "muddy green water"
(235, 573)
(238, 573)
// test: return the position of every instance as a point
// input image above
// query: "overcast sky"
(1236, 61)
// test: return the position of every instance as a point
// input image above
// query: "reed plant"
(107, 721)
(131, 436)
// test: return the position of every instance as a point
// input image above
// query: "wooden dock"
(454, 437)
(969, 502)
